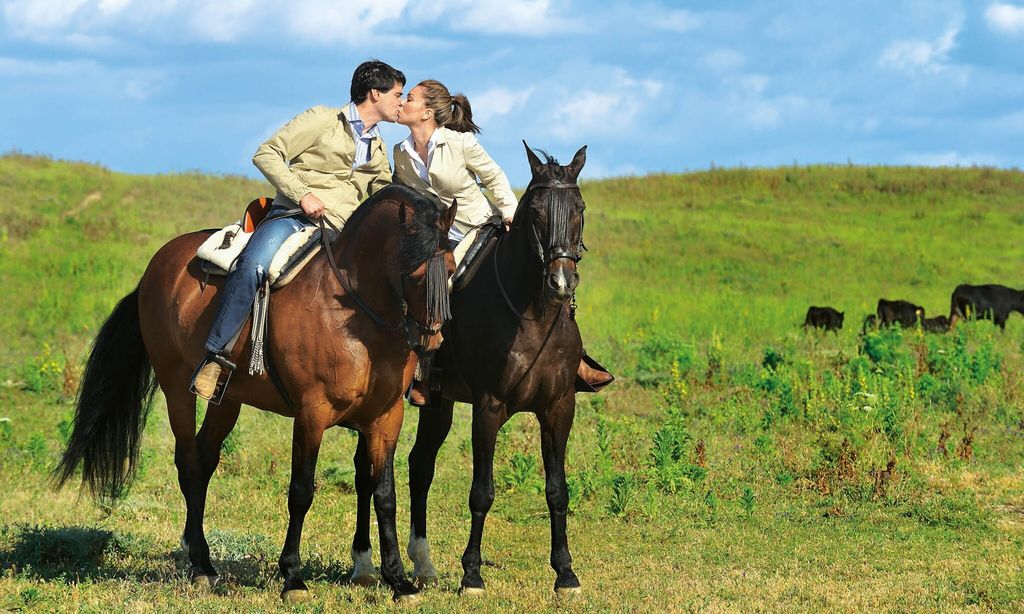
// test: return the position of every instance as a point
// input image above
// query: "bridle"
(558, 225)
(557, 247)
(408, 322)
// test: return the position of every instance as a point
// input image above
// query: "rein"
(556, 253)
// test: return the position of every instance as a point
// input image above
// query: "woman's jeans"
(249, 275)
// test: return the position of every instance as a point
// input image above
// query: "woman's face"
(414, 111)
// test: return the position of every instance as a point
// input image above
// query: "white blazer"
(458, 160)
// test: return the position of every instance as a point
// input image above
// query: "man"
(325, 161)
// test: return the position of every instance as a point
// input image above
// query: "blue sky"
(148, 86)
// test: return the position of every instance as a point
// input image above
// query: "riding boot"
(207, 376)
(591, 376)
(419, 392)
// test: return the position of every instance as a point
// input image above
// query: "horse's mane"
(422, 236)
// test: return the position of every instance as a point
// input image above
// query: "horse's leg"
(380, 452)
(181, 412)
(362, 559)
(555, 425)
(435, 422)
(487, 421)
(307, 435)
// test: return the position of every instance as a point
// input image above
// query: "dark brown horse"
(512, 345)
(343, 359)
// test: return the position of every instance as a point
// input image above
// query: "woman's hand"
(312, 206)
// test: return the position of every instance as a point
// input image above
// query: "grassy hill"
(740, 463)
(742, 252)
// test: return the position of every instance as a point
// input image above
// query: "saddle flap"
(485, 240)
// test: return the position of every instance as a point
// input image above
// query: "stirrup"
(227, 369)
(601, 376)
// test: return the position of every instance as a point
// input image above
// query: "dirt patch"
(88, 200)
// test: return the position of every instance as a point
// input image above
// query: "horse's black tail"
(113, 401)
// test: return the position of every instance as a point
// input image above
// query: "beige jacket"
(457, 162)
(314, 153)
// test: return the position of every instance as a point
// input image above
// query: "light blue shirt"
(363, 140)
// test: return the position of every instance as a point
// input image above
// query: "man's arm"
(298, 135)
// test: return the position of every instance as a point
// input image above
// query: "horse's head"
(554, 209)
(425, 263)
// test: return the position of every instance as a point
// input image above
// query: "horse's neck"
(358, 253)
(521, 274)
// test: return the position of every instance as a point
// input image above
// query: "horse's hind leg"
(195, 466)
(363, 572)
(555, 425)
(434, 424)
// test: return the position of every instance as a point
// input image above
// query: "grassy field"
(739, 464)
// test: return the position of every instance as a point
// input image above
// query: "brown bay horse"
(512, 345)
(343, 353)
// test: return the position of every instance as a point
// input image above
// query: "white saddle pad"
(224, 246)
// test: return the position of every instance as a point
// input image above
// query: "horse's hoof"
(297, 595)
(366, 581)
(472, 591)
(204, 584)
(568, 592)
(425, 581)
(408, 600)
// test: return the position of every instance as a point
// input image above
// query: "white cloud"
(927, 56)
(498, 101)
(1005, 18)
(677, 21)
(608, 112)
(523, 17)
(722, 60)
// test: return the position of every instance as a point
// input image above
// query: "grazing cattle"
(903, 312)
(938, 324)
(824, 317)
(870, 323)
(991, 302)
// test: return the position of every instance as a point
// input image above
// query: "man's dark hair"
(374, 75)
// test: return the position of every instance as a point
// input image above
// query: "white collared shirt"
(363, 140)
(422, 168)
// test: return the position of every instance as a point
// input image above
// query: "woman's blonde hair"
(449, 111)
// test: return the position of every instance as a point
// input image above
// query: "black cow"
(824, 317)
(903, 312)
(870, 323)
(938, 324)
(991, 302)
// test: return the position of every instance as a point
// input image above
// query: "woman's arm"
(490, 174)
(298, 135)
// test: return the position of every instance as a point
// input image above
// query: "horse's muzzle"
(561, 283)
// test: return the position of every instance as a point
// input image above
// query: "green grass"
(738, 464)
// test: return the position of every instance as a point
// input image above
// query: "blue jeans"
(249, 274)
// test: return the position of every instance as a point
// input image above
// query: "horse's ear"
(535, 164)
(448, 217)
(577, 163)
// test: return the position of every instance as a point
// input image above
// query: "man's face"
(389, 103)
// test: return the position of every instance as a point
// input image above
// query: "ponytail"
(462, 116)
(450, 111)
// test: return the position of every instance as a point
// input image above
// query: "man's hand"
(312, 206)
(508, 223)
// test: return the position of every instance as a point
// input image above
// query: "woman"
(324, 162)
(442, 157)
